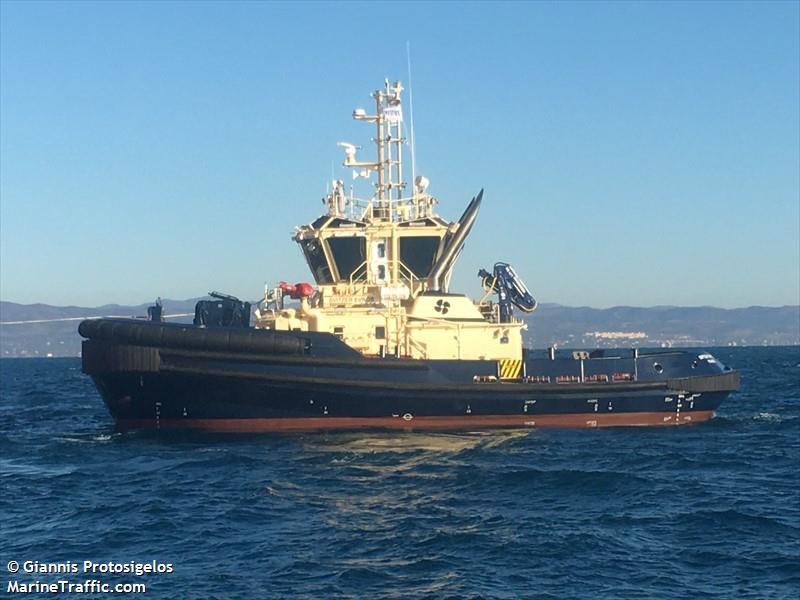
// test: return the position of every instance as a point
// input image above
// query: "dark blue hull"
(277, 384)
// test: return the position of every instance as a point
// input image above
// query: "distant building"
(617, 335)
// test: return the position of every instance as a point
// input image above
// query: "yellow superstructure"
(382, 266)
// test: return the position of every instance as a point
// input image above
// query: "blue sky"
(636, 154)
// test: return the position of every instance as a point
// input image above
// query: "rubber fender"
(174, 335)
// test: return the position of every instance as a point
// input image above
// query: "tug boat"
(379, 341)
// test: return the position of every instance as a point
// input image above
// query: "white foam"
(770, 417)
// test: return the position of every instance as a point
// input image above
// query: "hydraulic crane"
(509, 288)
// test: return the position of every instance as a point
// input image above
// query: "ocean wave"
(732, 519)
(15, 468)
(708, 510)
(769, 417)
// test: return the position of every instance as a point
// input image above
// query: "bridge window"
(316, 260)
(418, 252)
(348, 254)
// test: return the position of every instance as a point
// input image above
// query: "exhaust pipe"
(442, 266)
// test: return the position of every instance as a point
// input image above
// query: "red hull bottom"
(465, 423)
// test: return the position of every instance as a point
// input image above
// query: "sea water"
(709, 510)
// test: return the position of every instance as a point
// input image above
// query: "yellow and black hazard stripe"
(509, 368)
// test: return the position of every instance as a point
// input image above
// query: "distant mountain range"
(660, 326)
(44, 330)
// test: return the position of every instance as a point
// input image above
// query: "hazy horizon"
(166, 301)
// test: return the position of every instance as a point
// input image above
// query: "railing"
(418, 346)
(357, 276)
(395, 209)
(406, 274)
(361, 274)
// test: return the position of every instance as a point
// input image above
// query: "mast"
(389, 140)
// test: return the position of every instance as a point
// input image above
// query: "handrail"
(353, 278)
(410, 276)
(360, 273)
(361, 208)
(421, 348)
(455, 324)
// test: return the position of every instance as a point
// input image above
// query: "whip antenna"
(411, 115)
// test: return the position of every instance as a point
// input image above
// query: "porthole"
(658, 367)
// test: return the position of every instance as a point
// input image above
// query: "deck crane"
(509, 288)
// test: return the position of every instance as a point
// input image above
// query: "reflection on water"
(373, 482)
(411, 442)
